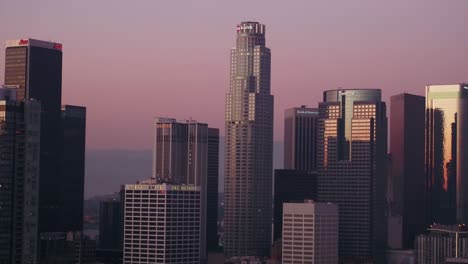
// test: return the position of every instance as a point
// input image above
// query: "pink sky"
(128, 61)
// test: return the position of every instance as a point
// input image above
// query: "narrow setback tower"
(249, 146)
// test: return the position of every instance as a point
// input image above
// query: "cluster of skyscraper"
(42, 148)
(341, 197)
(337, 153)
(170, 217)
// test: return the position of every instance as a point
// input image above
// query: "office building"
(162, 223)
(352, 151)
(35, 66)
(442, 242)
(212, 243)
(249, 146)
(407, 179)
(310, 233)
(73, 121)
(180, 152)
(186, 152)
(447, 152)
(110, 225)
(291, 186)
(20, 123)
(109, 247)
(170, 151)
(300, 138)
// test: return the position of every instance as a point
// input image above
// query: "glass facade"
(447, 152)
(300, 138)
(71, 198)
(291, 186)
(19, 180)
(407, 188)
(37, 69)
(212, 242)
(351, 154)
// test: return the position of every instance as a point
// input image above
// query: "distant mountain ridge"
(107, 170)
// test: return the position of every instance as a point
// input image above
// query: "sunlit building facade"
(447, 152)
(352, 150)
(249, 146)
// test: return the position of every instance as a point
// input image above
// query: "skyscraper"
(352, 150)
(73, 168)
(249, 146)
(19, 178)
(36, 67)
(310, 233)
(447, 152)
(407, 180)
(170, 151)
(110, 225)
(212, 190)
(291, 186)
(109, 248)
(300, 138)
(162, 223)
(186, 152)
(180, 151)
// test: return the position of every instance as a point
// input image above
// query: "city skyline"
(371, 116)
(366, 33)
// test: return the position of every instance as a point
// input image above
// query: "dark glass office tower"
(73, 168)
(291, 186)
(110, 225)
(212, 242)
(19, 178)
(407, 198)
(352, 150)
(300, 138)
(447, 152)
(36, 67)
(109, 248)
(249, 146)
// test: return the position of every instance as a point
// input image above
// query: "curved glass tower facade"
(249, 146)
(351, 155)
(447, 152)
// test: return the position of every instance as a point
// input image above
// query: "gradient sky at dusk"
(128, 61)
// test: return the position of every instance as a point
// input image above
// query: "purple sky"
(128, 61)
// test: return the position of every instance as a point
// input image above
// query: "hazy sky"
(128, 61)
